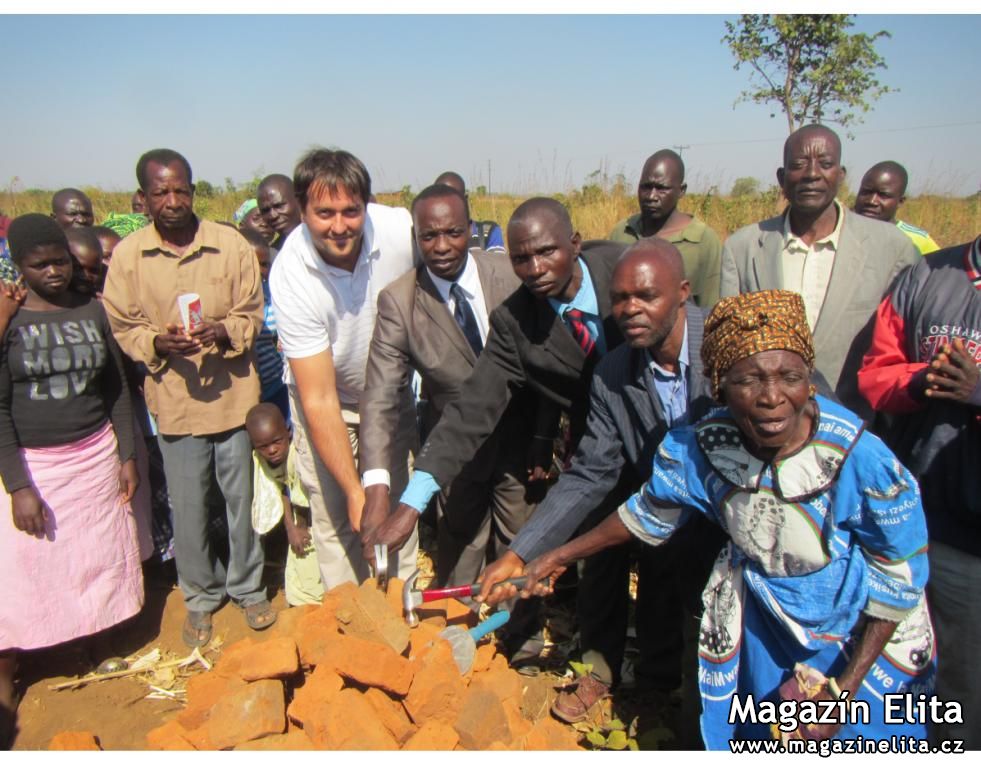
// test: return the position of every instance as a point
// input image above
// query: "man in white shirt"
(325, 284)
(841, 263)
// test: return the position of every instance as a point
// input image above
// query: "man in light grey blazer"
(841, 263)
(639, 390)
(423, 325)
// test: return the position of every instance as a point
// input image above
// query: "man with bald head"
(661, 187)
(883, 190)
(484, 235)
(278, 206)
(841, 263)
(639, 391)
(71, 208)
(545, 338)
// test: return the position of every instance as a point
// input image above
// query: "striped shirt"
(268, 358)
(920, 237)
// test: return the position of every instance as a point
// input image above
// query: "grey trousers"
(191, 464)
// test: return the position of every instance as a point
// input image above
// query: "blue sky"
(544, 100)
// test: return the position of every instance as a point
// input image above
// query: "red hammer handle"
(428, 595)
(466, 590)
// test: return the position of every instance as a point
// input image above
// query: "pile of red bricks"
(350, 674)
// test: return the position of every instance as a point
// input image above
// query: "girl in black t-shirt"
(69, 557)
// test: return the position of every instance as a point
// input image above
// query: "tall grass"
(594, 209)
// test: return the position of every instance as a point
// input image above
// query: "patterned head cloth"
(740, 326)
(245, 209)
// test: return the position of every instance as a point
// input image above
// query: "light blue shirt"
(586, 302)
(671, 389)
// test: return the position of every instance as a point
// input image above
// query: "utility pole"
(681, 148)
(488, 176)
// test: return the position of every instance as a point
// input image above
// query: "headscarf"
(244, 210)
(29, 231)
(740, 326)
(125, 223)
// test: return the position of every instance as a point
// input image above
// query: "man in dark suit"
(545, 338)
(434, 320)
(841, 263)
(640, 390)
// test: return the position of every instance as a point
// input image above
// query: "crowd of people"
(780, 431)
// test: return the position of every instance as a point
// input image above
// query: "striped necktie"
(580, 331)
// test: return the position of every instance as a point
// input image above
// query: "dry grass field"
(594, 209)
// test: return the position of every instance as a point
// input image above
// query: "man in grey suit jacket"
(841, 263)
(639, 391)
(416, 329)
(531, 348)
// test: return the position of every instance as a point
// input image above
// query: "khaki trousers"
(339, 550)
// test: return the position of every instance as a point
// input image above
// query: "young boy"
(277, 493)
(85, 248)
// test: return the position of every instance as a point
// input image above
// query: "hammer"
(412, 598)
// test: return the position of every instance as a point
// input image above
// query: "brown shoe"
(572, 705)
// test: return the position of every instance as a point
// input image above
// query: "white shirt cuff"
(376, 477)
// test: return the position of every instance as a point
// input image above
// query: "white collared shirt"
(469, 281)
(807, 268)
(321, 307)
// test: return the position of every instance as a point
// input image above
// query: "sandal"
(260, 615)
(197, 629)
(572, 705)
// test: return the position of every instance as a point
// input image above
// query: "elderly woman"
(820, 590)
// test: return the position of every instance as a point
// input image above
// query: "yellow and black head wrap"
(740, 326)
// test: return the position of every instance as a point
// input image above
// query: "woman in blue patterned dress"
(819, 594)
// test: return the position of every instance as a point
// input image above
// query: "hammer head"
(381, 566)
(408, 603)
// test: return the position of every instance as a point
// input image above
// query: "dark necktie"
(580, 331)
(464, 316)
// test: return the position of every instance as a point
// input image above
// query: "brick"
(372, 664)
(169, 736)
(452, 611)
(276, 658)
(257, 710)
(203, 692)
(294, 741)
(316, 631)
(75, 741)
(433, 736)
(482, 721)
(483, 657)
(230, 661)
(320, 686)
(288, 620)
(437, 689)
(421, 636)
(394, 595)
(199, 739)
(367, 614)
(391, 714)
(517, 724)
(349, 722)
(549, 734)
(502, 680)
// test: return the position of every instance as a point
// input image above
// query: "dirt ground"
(119, 714)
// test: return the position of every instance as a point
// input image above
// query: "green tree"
(745, 186)
(808, 64)
(204, 188)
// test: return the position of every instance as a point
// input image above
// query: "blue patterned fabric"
(819, 540)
